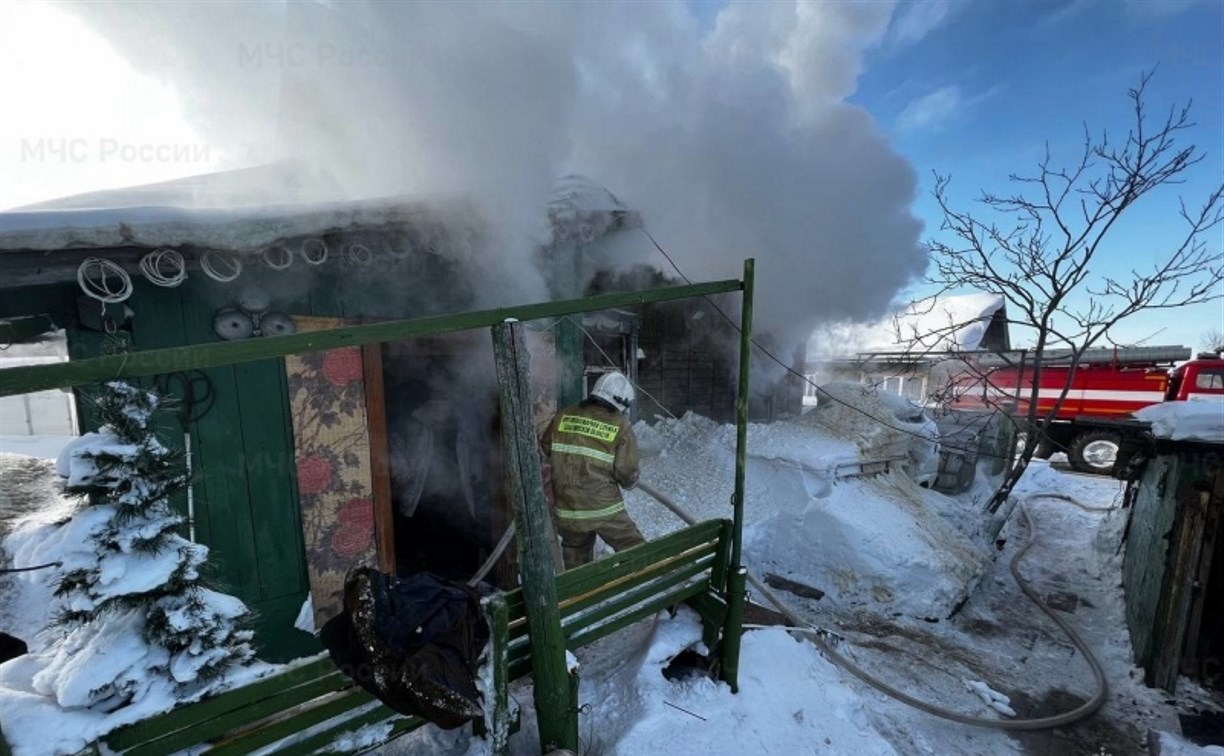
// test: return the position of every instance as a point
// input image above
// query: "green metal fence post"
(737, 596)
(735, 580)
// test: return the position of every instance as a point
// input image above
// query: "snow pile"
(880, 542)
(884, 426)
(1186, 421)
(784, 699)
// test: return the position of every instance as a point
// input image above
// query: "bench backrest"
(605, 595)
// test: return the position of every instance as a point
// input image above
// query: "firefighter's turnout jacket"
(594, 453)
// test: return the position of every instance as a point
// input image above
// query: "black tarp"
(414, 642)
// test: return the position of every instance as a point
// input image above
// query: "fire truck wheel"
(1094, 452)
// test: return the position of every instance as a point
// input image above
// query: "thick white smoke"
(734, 141)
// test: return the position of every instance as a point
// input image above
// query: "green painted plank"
(263, 405)
(581, 611)
(295, 722)
(223, 472)
(326, 299)
(224, 515)
(623, 563)
(273, 687)
(400, 725)
(642, 595)
(158, 324)
(597, 612)
(276, 639)
(520, 664)
(21, 380)
(84, 344)
(497, 700)
(216, 728)
(676, 595)
(326, 737)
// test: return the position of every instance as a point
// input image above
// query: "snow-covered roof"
(239, 210)
(245, 210)
(948, 324)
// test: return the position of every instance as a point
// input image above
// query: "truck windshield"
(1210, 379)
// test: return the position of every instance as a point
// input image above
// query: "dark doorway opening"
(445, 458)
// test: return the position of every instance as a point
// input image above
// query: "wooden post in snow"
(556, 715)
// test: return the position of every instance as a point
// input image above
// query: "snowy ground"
(792, 699)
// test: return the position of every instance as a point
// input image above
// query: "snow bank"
(787, 696)
(871, 543)
(881, 542)
(1186, 421)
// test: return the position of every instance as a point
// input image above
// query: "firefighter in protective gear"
(593, 455)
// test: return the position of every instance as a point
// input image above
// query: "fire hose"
(815, 635)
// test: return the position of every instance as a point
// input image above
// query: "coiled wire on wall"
(104, 280)
(154, 267)
(230, 267)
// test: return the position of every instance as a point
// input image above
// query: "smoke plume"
(732, 141)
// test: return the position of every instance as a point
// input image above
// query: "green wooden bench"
(687, 566)
(315, 697)
(317, 705)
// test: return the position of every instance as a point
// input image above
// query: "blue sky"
(975, 89)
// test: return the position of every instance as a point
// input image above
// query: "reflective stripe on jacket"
(594, 453)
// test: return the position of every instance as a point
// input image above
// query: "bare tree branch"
(1042, 242)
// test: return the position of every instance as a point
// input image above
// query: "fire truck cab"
(1091, 412)
(1201, 379)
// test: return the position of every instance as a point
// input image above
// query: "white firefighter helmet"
(615, 389)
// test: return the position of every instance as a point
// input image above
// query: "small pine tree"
(140, 576)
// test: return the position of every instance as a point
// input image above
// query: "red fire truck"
(1107, 387)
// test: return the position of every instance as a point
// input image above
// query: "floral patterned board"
(332, 448)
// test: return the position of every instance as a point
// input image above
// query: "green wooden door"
(243, 492)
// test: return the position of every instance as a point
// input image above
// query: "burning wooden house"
(306, 464)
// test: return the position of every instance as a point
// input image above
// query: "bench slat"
(520, 661)
(399, 727)
(614, 566)
(621, 601)
(701, 556)
(202, 731)
(575, 630)
(305, 719)
(589, 576)
(272, 686)
(704, 553)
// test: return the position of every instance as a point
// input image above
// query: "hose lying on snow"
(1040, 723)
